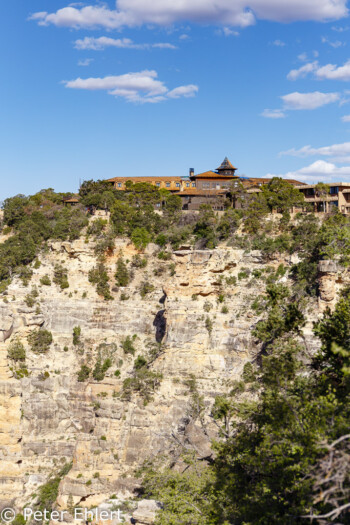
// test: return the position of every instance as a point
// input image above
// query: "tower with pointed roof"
(226, 168)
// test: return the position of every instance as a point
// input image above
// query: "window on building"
(178, 185)
(167, 184)
(119, 184)
(193, 184)
(334, 190)
(206, 185)
(213, 185)
(157, 184)
(187, 184)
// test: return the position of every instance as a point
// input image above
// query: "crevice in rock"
(160, 324)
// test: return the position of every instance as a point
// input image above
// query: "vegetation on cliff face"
(34, 220)
(280, 455)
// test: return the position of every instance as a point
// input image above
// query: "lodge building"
(209, 187)
(213, 187)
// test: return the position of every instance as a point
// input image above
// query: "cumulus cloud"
(332, 72)
(85, 62)
(335, 44)
(97, 44)
(241, 13)
(319, 171)
(302, 71)
(141, 87)
(327, 72)
(337, 152)
(273, 113)
(314, 100)
(346, 118)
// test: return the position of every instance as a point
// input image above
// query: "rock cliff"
(198, 315)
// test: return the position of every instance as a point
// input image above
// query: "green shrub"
(84, 373)
(19, 520)
(100, 368)
(40, 341)
(164, 256)
(20, 373)
(138, 261)
(209, 324)
(224, 310)
(121, 275)
(141, 238)
(144, 382)
(161, 240)
(99, 276)
(60, 276)
(29, 300)
(43, 376)
(45, 280)
(48, 493)
(139, 362)
(231, 280)
(146, 288)
(76, 335)
(127, 345)
(16, 351)
(117, 373)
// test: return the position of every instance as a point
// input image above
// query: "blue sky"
(133, 87)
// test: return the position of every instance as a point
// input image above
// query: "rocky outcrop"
(198, 317)
(6, 323)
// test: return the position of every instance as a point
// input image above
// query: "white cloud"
(273, 113)
(85, 62)
(294, 74)
(319, 171)
(335, 44)
(346, 118)
(183, 91)
(139, 87)
(302, 57)
(241, 13)
(299, 101)
(340, 29)
(337, 152)
(97, 44)
(327, 72)
(278, 43)
(229, 32)
(184, 37)
(332, 72)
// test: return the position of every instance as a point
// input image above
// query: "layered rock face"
(200, 315)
